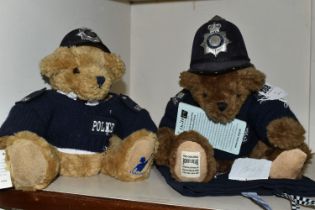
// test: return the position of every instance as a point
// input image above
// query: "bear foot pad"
(288, 164)
(191, 162)
(27, 164)
(140, 157)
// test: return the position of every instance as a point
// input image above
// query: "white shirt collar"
(74, 96)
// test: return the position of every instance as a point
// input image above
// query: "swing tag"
(228, 137)
(5, 177)
(245, 169)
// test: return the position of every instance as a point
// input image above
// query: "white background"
(155, 42)
(32, 29)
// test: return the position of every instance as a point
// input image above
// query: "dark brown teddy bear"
(226, 86)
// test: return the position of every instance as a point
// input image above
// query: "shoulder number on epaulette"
(270, 93)
(178, 97)
(130, 103)
(33, 96)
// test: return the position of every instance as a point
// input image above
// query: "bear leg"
(191, 158)
(289, 164)
(33, 163)
(79, 165)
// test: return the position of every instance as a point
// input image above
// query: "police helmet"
(83, 37)
(218, 47)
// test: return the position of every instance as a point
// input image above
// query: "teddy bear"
(227, 87)
(78, 127)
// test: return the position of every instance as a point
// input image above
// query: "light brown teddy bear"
(227, 87)
(78, 128)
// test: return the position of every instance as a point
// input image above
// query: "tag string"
(297, 200)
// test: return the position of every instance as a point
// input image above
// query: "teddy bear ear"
(189, 80)
(115, 65)
(252, 78)
(60, 59)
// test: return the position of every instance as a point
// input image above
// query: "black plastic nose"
(100, 80)
(222, 106)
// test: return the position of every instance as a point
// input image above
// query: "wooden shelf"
(52, 200)
(151, 1)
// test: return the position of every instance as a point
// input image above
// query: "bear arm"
(21, 118)
(276, 125)
(285, 133)
(3, 142)
(169, 118)
(141, 120)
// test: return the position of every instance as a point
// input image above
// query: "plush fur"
(3, 142)
(222, 96)
(232, 89)
(34, 163)
(80, 165)
(74, 70)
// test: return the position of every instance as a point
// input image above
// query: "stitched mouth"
(219, 117)
(92, 93)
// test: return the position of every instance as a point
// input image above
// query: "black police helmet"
(218, 47)
(83, 37)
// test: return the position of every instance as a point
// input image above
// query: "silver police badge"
(87, 34)
(215, 41)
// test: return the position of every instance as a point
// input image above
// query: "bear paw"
(32, 162)
(191, 159)
(285, 133)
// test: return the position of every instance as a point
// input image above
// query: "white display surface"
(155, 190)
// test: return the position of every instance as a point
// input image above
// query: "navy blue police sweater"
(256, 113)
(71, 124)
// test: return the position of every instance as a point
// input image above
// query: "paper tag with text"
(190, 165)
(5, 178)
(226, 137)
(245, 169)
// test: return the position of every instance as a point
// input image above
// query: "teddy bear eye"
(76, 71)
(205, 95)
